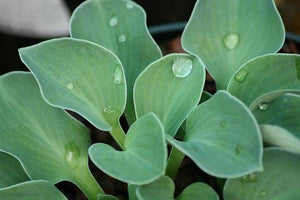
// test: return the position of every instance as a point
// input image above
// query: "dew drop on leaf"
(182, 67)
(72, 155)
(250, 178)
(263, 106)
(231, 41)
(113, 20)
(263, 193)
(122, 38)
(241, 76)
(70, 86)
(108, 109)
(118, 74)
(238, 149)
(129, 5)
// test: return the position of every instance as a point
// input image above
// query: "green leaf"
(170, 87)
(106, 197)
(80, 76)
(50, 144)
(162, 188)
(32, 190)
(280, 137)
(266, 74)
(283, 112)
(278, 181)
(226, 34)
(198, 191)
(144, 157)
(11, 171)
(120, 26)
(224, 129)
(131, 192)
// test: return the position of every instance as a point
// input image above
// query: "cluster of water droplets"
(113, 21)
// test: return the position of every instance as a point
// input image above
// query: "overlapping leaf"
(50, 144)
(226, 34)
(278, 181)
(280, 121)
(222, 130)
(164, 188)
(170, 87)
(266, 74)
(32, 190)
(120, 26)
(144, 157)
(11, 171)
(80, 76)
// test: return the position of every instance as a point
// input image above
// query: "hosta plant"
(111, 66)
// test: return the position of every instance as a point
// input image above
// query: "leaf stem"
(87, 184)
(118, 134)
(174, 162)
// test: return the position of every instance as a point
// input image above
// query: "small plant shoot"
(110, 73)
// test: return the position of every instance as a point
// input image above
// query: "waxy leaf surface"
(164, 188)
(222, 130)
(79, 76)
(170, 87)
(50, 144)
(283, 114)
(31, 190)
(144, 157)
(278, 181)
(266, 74)
(11, 171)
(226, 34)
(120, 26)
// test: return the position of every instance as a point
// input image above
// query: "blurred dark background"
(158, 12)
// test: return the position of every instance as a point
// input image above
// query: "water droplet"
(113, 20)
(70, 86)
(263, 193)
(129, 5)
(238, 148)
(118, 74)
(108, 109)
(72, 154)
(250, 178)
(241, 76)
(122, 38)
(263, 106)
(231, 40)
(182, 67)
(222, 124)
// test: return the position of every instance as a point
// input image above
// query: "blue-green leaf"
(171, 88)
(120, 26)
(144, 157)
(226, 34)
(50, 144)
(80, 76)
(11, 171)
(32, 190)
(224, 129)
(279, 180)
